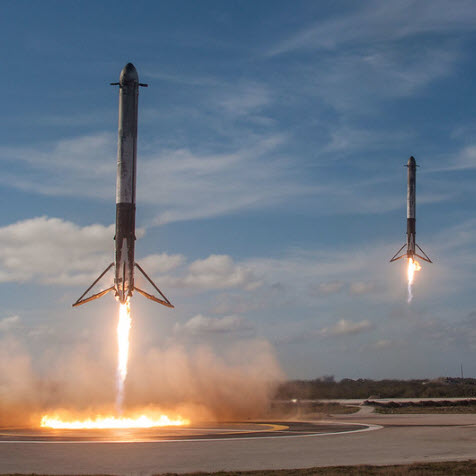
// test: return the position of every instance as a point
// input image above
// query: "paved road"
(403, 439)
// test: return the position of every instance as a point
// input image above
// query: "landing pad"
(199, 432)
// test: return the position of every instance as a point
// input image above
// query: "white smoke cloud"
(199, 383)
(233, 385)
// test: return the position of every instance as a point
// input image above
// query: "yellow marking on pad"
(237, 431)
(274, 427)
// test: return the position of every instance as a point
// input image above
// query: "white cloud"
(200, 324)
(463, 159)
(377, 52)
(193, 184)
(341, 328)
(348, 139)
(305, 266)
(333, 287)
(381, 73)
(379, 22)
(161, 263)
(9, 322)
(70, 167)
(234, 98)
(382, 344)
(54, 251)
(330, 287)
(186, 79)
(345, 327)
(207, 185)
(218, 272)
(259, 298)
(363, 287)
(244, 99)
(466, 159)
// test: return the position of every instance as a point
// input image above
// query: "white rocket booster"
(124, 263)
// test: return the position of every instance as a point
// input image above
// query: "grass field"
(310, 410)
(466, 468)
(462, 468)
(417, 409)
(443, 406)
(331, 409)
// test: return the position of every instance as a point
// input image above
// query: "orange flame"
(413, 266)
(151, 420)
(108, 422)
(123, 329)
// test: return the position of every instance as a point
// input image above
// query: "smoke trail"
(123, 328)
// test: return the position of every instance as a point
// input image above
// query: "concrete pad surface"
(403, 439)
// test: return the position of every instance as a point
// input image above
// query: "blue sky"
(271, 186)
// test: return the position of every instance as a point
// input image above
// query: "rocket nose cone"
(129, 74)
(411, 161)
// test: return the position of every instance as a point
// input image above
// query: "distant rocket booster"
(412, 248)
(124, 263)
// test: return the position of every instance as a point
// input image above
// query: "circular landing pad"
(213, 431)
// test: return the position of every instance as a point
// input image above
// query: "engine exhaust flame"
(151, 420)
(123, 329)
(413, 266)
(109, 422)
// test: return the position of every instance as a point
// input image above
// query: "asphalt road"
(402, 439)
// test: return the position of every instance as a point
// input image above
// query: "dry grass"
(464, 468)
(461, 468)
(311, 410)
(418, 409)
(336, 409)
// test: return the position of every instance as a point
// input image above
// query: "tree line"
(328, 388)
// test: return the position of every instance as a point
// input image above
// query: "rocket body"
(411, 248)
(411, 206)
(124, 240)
(126, 183)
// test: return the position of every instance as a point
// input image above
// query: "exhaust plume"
(197, 384)
(123, 328)
(413, 266)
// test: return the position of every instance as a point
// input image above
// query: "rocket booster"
(126, 182)
(411, 205)
(124, 239)
(411, 248)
